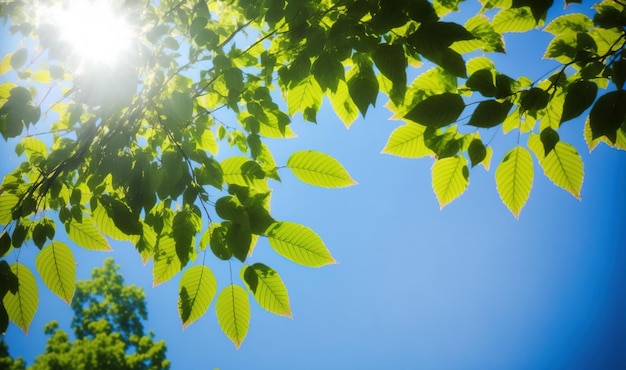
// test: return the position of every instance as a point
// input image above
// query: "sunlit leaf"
(343, 105)
(514, 20)
(306, 97)
(86, 235)
(299, 244)
(196, 290)
(267, 288)
(166, 263)
(514, 179)
(233, 313)
(319, 169)
(450, 179)
(22, 305)
(562, 165)
(56, 266)
(407, 141)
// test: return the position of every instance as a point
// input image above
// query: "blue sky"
(468, 287)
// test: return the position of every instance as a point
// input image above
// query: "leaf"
(299, 244)
(490, 113)
(57, 268)
(22, 305)
(196, 290)
(305, 97)
(607, 115)
(233, 313)
(514, 179)
(18, 59)
(106, 225)
(185, 226)
(267, 289)
(240, 170)
(343, 105)
(437, 110)
(450, 178)
(562, 165)
(328, 71)
(363, 87)
(407, 141)
(8, 201)
(477, 152)
(392, 63)
(166, 262)
(514, 20)
(319, 169)
(87, 236)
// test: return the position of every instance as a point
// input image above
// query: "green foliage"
(179, 143)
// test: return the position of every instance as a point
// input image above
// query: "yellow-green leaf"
(22, 306)
(620, 141)
(563, 165)
(319, 169)
(307, 95)
(267, 288)
(195, 292)
(166, 262)
(450, 178)
(239, 170)
(86, 235)
(407, 142)
(7, 202)
(106, 225)
(299, 244)
(514, 20)
(207, 142)
(5, 64)
(343, 105)
(514, 179)
(233, 313)
(57, 268)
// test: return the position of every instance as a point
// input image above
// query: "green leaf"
(608, 114)
(18, 59)
(450, 179)
(299, 244)
(233, 313)
(196, 290)
(392, 63)
(166, 262)
(437, 110)
(490, 113)
(562, 165)
(106, 225)
(534, 99)
(239, 239)
(574, 23)
(22, 305)
(8, 201)
(319, 169)
(305, 97)
(267, 288)
(343, 105)
(363, 87)
(56, 266)
(514, 179)
(328, 71)
(242, 171)
(477, 152)
(86, 235)
(185, 226)
(549, 138)
(5, 243)
(407, 141)
(514, 20)
(123, 218)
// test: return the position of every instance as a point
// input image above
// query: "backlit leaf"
(514, 20)
(56, 266)
(196, 290)
(514, 179)
(22, 305)
(7, 202)
(240, 170)
(306, 97)
(562, 165)
(233, 313)
(166, 262)
(319, 169)
(86, 235)
(607, 115)
(343, 105)
(490, 113)
(407, 141)
(450, 179)
(299, 244)
(437, 110)
(267, 288)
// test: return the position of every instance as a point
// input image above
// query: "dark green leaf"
(437, 110)
(534, 99)
(229, 208)
(619, 73)
(18, 59)
(483, 82)
(5, 243)
(184, 228)
(392, 63)
(328, 71)
(490, 113)
(122, 217)
(549, 138)
(19, 235)
(580, 96)
(363, 88)
(477, 152)
(218, 244)
(39, 235)
(539, 8)
(608, 114)
(238, 239)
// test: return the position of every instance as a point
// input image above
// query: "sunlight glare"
(95, 32)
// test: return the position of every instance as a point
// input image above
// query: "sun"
(96, 33)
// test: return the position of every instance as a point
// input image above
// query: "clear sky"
(468, 287)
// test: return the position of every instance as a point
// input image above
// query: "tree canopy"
(108, 328)
(121, 142)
